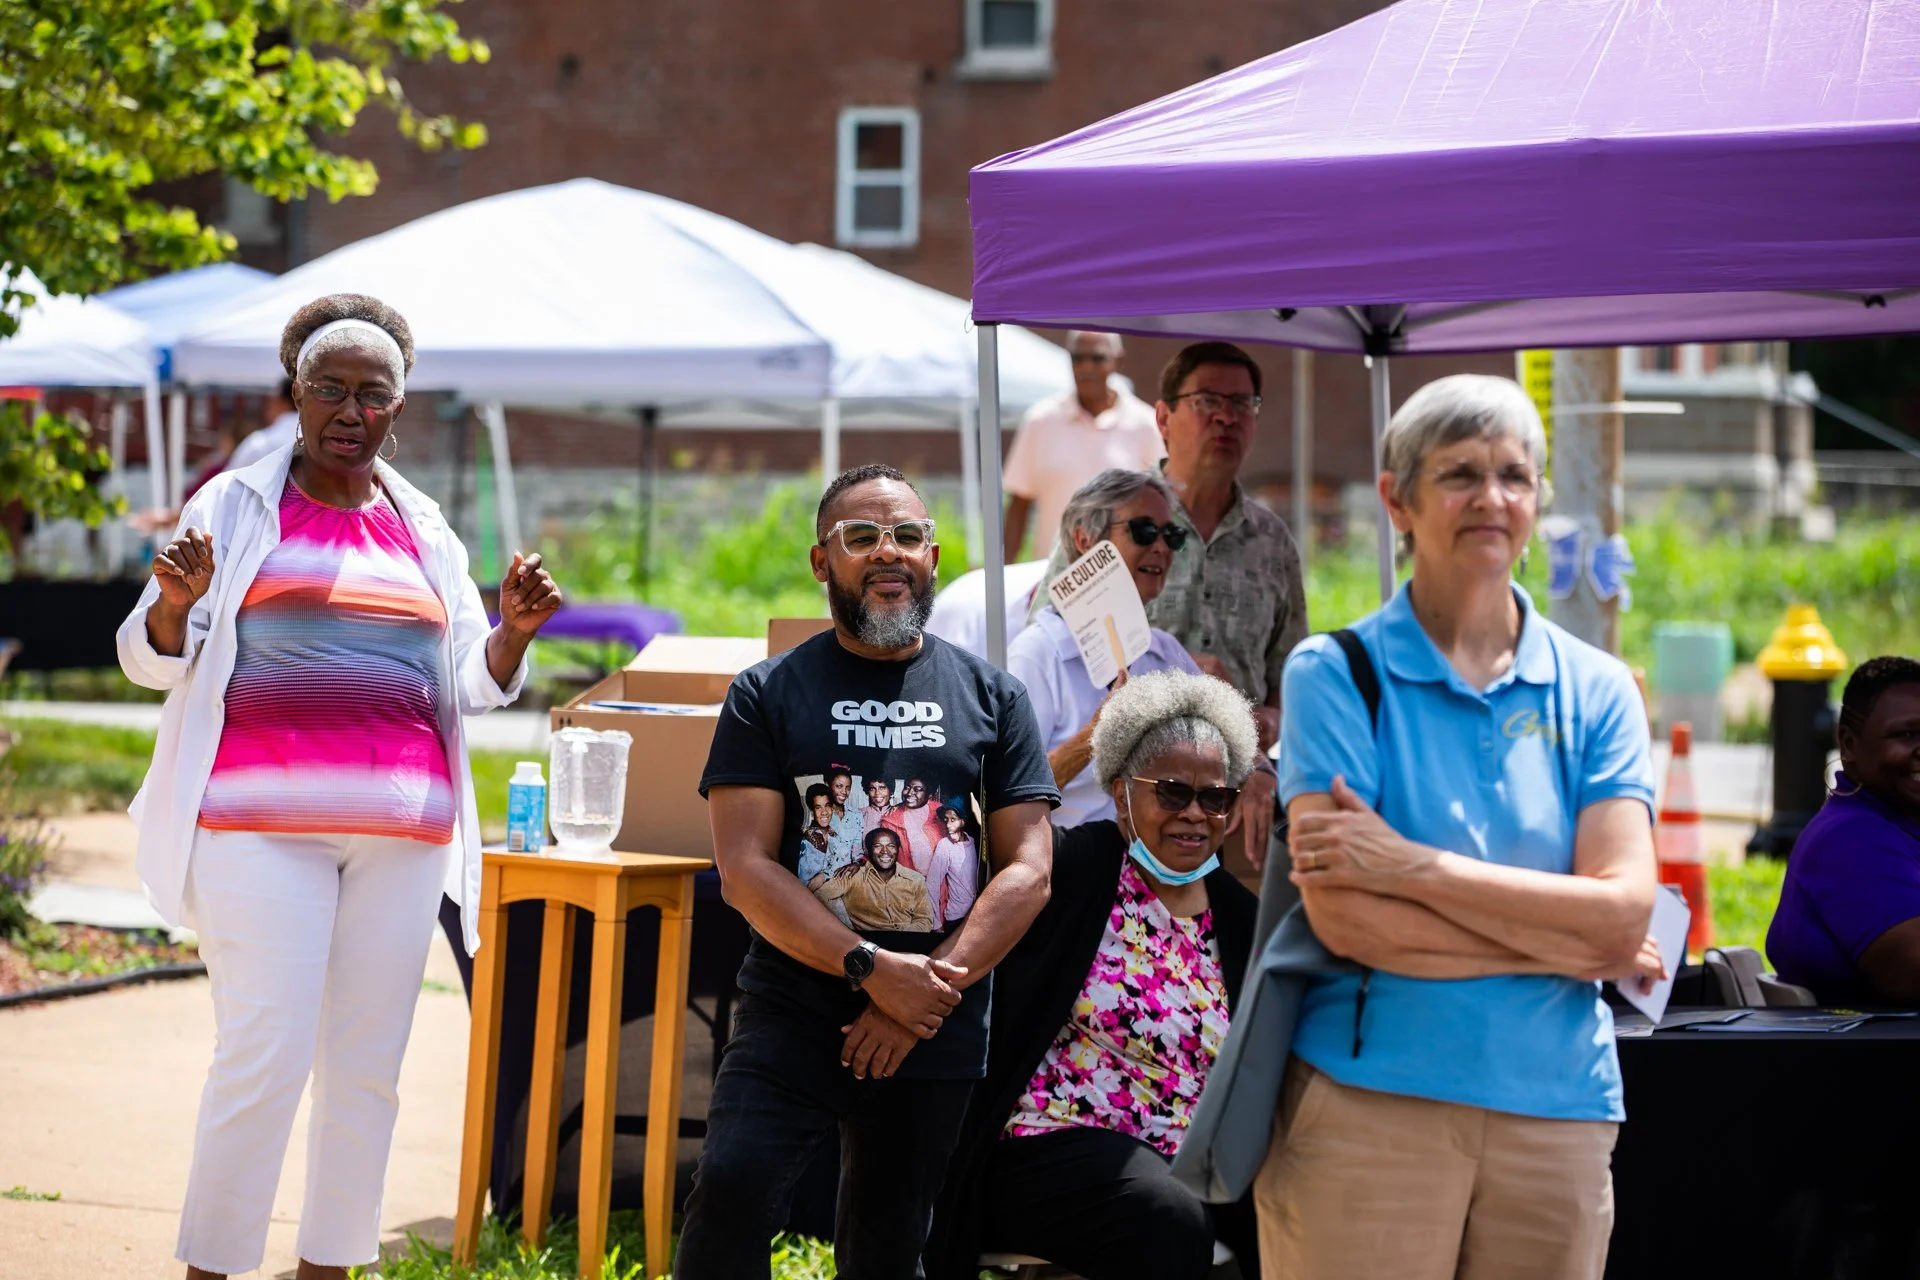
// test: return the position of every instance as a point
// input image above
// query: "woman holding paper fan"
(1471, 797)
(319, 640)
(1133, 510)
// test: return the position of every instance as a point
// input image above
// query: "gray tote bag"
(1232, 1124)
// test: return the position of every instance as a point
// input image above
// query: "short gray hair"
(1110, 340)
(1090, 509)
(1463, 406)
(1154, 713)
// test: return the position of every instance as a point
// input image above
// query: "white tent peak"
(587, 292)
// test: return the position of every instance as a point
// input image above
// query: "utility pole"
(1589, 442)
(1303, 454)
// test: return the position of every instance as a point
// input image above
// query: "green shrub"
(24, 845)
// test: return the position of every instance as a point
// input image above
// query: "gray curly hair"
(1154, 713)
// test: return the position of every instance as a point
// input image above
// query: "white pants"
(316, 946)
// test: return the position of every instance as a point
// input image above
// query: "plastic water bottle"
(526, 808)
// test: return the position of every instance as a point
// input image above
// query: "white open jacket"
(240, 511)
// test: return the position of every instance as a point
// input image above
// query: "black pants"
(780, 1092)
(1105, 1206)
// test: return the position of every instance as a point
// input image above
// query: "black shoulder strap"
(1365, 678)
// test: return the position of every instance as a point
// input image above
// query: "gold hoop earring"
(1836, 792)
(393, 452)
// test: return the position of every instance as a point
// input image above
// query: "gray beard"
(892, 629)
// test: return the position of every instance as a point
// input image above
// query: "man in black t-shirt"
(862, 1010)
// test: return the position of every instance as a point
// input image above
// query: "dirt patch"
(57, 954)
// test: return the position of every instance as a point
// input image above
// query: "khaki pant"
(1362, 1185)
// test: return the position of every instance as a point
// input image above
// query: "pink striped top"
(332, 720)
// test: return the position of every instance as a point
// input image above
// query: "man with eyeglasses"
(1066, 440)
(879, 1031)
(1234, 595)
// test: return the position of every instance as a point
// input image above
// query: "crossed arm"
(1409, 909)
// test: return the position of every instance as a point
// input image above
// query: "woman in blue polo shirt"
(1486, 851)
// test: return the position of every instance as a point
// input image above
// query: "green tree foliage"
(101, 99)
(50, 464)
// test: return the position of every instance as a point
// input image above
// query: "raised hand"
(184, 569)
(528, 596)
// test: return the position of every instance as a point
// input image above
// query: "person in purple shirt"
(1848, 924)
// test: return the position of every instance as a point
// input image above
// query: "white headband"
(335, 326)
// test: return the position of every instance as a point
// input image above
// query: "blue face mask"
(1143, 856)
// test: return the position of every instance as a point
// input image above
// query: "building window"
(877, 204)
(248, 215)
(1008, 39)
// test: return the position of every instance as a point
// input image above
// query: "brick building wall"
(733, 105)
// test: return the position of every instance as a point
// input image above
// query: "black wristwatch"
(858, 964)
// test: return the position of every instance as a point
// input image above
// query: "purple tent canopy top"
(1469, 175)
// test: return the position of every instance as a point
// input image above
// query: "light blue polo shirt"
(1500, 775)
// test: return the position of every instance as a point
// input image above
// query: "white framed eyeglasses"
(863, 537)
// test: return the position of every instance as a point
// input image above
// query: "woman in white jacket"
(319, 639)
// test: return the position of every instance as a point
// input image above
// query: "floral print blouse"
(1143, 1033)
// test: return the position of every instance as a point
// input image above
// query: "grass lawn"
(1743, 900)
(57, 767)
(504, 1256)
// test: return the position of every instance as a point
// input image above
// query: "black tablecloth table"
(1775, 1154)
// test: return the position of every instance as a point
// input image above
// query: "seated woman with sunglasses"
(1109, 1013)
(1135, 510)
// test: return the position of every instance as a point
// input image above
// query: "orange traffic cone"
(1676, 837)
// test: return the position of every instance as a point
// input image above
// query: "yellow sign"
(1533, 370)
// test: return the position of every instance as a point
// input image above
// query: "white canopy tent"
(67, 341)
(585, 293)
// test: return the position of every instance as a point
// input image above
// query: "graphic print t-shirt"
(880, 763)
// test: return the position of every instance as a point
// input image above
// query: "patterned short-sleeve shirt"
(1238, 595)
(1144, 1032)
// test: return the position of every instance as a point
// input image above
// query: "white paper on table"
(1669, 929)
(1100, 604)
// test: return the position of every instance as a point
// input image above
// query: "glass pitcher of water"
(587, 787)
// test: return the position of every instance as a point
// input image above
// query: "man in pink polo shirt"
(1068, 439)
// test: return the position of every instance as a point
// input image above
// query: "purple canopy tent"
(1470, 175)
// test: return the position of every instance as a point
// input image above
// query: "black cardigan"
(1034, 989)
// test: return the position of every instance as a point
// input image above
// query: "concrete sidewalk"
(99, 1096)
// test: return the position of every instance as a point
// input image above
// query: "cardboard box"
(784, 633)
(664, 812)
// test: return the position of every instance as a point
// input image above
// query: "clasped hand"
(1352, 847)
(910, 997)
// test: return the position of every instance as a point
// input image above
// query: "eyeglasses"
(1208, 403)
(1145, 532)
(374, 401)
(1515, 481)
(1174, 796)
(862, 537)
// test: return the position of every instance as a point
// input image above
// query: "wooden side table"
(609, 886)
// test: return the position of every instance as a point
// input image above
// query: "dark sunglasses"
(1174, 796)
(1145, 532)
